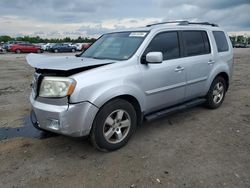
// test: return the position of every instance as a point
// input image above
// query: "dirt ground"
(195, 148)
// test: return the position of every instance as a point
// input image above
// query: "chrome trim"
(196, 80)
(149, 92)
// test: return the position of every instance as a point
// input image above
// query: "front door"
(164, 83)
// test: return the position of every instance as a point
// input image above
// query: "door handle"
(179, 69)
(211, 62)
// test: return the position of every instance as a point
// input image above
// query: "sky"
(91, 18)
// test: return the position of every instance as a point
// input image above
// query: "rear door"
(198, 61)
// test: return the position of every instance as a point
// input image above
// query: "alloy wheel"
(218, 92)
(116, 126)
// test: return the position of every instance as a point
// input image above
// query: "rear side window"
(196, 42)
(221, 41)
(167, 43)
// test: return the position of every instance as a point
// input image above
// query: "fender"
(116, 91)
(217, 69)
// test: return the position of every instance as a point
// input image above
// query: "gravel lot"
(195, 148)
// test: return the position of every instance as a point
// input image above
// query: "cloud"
(51, 18)
(211, 4)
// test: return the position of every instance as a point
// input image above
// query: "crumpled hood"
(64, 63)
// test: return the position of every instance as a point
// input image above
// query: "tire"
(56, 51)
(111, 131)
(73, 50)
(18, 51)
(39, 51)
(216, 93)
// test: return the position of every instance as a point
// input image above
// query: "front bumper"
(70, 119)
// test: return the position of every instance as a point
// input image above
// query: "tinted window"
(167, 43)
(206, 42)
(221, 41)
(197, 42)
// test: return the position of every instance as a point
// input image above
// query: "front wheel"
(113, 126)
(216, 93)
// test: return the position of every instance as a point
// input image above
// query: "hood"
(63, 63)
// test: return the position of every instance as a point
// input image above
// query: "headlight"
(56, 87)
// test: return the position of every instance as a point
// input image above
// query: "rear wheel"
(56, 51)
(73, 50)
(113, 126)
(39, 51)
(18, 51)
(216, 93)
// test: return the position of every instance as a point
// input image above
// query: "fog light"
(53, 124)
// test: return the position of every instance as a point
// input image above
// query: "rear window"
(196, 42)
(221, 41)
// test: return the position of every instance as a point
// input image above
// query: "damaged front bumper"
(70, 119)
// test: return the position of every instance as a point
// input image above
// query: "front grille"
(35, 83)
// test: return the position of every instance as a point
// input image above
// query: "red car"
(18, 48)
(86, 46)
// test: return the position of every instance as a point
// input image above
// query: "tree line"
(37, 39)
(240, 39)
(5, 38)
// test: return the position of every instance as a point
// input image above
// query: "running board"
(174, 109)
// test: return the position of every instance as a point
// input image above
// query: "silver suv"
(129, 76)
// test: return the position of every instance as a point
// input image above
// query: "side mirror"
(154, 57)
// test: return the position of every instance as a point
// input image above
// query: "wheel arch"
(226, 78)
(223, 74)
(220, 69)
(135, 103)
(18, 49)
(132, 100)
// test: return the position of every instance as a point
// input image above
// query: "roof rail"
(178, 22)
(184, 23)
(204, 23)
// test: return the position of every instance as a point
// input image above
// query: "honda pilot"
(129, 76)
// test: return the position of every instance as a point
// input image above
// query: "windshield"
(117, 46)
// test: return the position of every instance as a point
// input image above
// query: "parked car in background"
(62, 48)
(40, 44)
(78, 46)
(239, 45)
(2, 49)
(25, 48)
(47, 46)
(8, 44)
(85, 46)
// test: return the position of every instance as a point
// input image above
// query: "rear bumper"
(71, 119)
